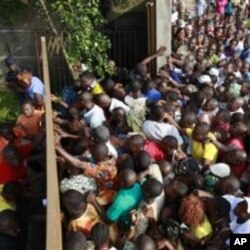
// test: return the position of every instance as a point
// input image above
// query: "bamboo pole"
(54, 231)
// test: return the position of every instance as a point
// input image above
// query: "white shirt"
(142, 225)
(235, 227)
(112, 150)
(94, 117)
(240, 110)
(156, 131)
(118, 104)
(36, 87)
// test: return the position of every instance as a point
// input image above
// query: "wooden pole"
(54, 230)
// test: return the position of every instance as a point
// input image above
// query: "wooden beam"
(54, 228)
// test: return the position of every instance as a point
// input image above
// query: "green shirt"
(124, 202)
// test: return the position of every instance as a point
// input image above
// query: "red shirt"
(154, 150)
(238, 170)
(9, 173)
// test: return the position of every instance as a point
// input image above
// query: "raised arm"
(160, 52)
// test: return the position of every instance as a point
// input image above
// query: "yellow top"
(4, 204)
(202, 151)
(97, 89)
(203, 230)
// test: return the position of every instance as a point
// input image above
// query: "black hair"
(100, 235)
(145, 242)
(11, 150)
(236, 117)
(12, 190)
(27, 102)
(172, 96)
(135, 140)
(224, 114)
(87, 74)
(73, 204)
(171, 141)
(152, 188)
(157, 112)
(76, 241)
(100, 151)
(143, 160)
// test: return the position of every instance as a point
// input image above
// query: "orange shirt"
(30, 125)
(103, 172)
(85, 223)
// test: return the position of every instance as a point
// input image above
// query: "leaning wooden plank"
(54, 231)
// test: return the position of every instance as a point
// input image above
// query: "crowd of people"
(143, 162)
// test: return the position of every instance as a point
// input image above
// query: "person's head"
(151, 188)
(73, 204)
(100, 152)
(28, 108)
(230, 78)
(176, 190)
(192, 210)
(10, 63)
(245, 67)
(127, 178)
(157, 113)
(73, 113)
(197, 98)
(145, 242)
(239, 129)
(165, 167)
(118, 115)
(242, 210)
(180, 34)
(7, 132)
(100, 235)
(12, 155)
(9, 224)
(192, 44)
(24, 77)
(86, 79)
(143, 160)
(235, 157)
(218, 32)
(207, 91)
(169, 145)
(86, 100)
(211, 105)
(228, 185)
(200, 132)
(101, 134)
(247, 42)
(141, 69)
(135, 89)
(108, 86)
(235, 103)
(103, 100)
(212, 49)
(11, 190)
(222, 116)
(200, 53)
(188, 119)
(135, 144)
(76, 241)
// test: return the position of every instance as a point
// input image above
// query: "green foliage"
(82, 20)
(9, 105)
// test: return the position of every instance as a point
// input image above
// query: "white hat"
(214, 72)
(204, 79)
(247, 199)
(220, 169)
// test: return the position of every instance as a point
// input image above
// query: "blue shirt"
(245, 55)
(69, 95)
(36, 87)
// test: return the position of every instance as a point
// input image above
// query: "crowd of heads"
(147, 162)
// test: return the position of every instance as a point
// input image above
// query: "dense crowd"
(144, 162)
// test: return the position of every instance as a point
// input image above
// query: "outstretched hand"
(161, 51)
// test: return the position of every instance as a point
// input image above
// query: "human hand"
(54, 98)
(161, 51)
(91, 198)
(162, 244)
